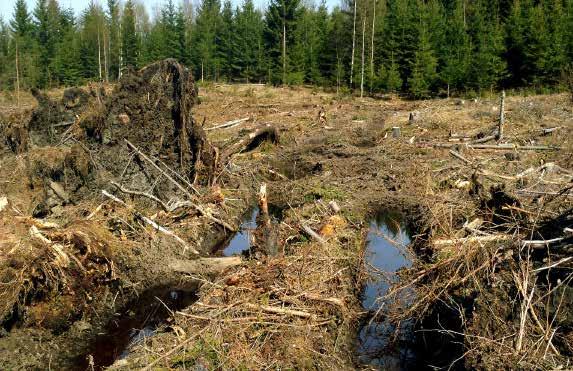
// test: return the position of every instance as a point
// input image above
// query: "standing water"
(385, 254)
(241, 241)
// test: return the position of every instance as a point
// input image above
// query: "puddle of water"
(136, 322)
(241, 241)
(385, 254)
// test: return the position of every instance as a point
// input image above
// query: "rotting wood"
(151, 222)
(205, 266)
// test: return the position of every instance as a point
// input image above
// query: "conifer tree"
(114, 37)
(129, 41)
(248, 49)
(225, 39)
(281, 22)
(204, 40)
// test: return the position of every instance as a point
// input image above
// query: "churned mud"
(130, 236)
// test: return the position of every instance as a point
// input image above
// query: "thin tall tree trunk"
(353, 46)
(105, 61)
(372, 47)
(202, 72)
(362, 72)
(99, 53)
(120, 52)
(17, 75)
(284, 47)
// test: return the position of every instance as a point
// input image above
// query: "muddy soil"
(301, 308)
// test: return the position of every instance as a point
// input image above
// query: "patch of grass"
(324, 193)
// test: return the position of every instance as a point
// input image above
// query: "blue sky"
(7, 6)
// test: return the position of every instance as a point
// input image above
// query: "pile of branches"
(500, 282)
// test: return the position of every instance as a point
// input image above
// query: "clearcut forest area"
(378, 185)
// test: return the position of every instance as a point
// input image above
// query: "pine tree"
(129, 41)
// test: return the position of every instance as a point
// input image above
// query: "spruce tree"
(114, 37)
(248, 49)
(25, 47)
(455, 52)
(225, 39)
(204, 40)
(129, 41)
(281, 22)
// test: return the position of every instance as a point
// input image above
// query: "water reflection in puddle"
(385, 254)
(241, 241)
(139, 320)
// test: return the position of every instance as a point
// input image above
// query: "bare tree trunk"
(105, 61)
(284, 48)
(17, 75)
(353, 46)
(372, 46)
(362, 72)
(99, 53)
(120, 52)
(202, 72)
(501, 116)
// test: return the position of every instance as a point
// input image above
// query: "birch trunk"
(362, 72)
(284, 48)
(17, 75)
(353, 45)
(372, 46)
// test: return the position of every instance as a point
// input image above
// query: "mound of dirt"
(151, 109)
